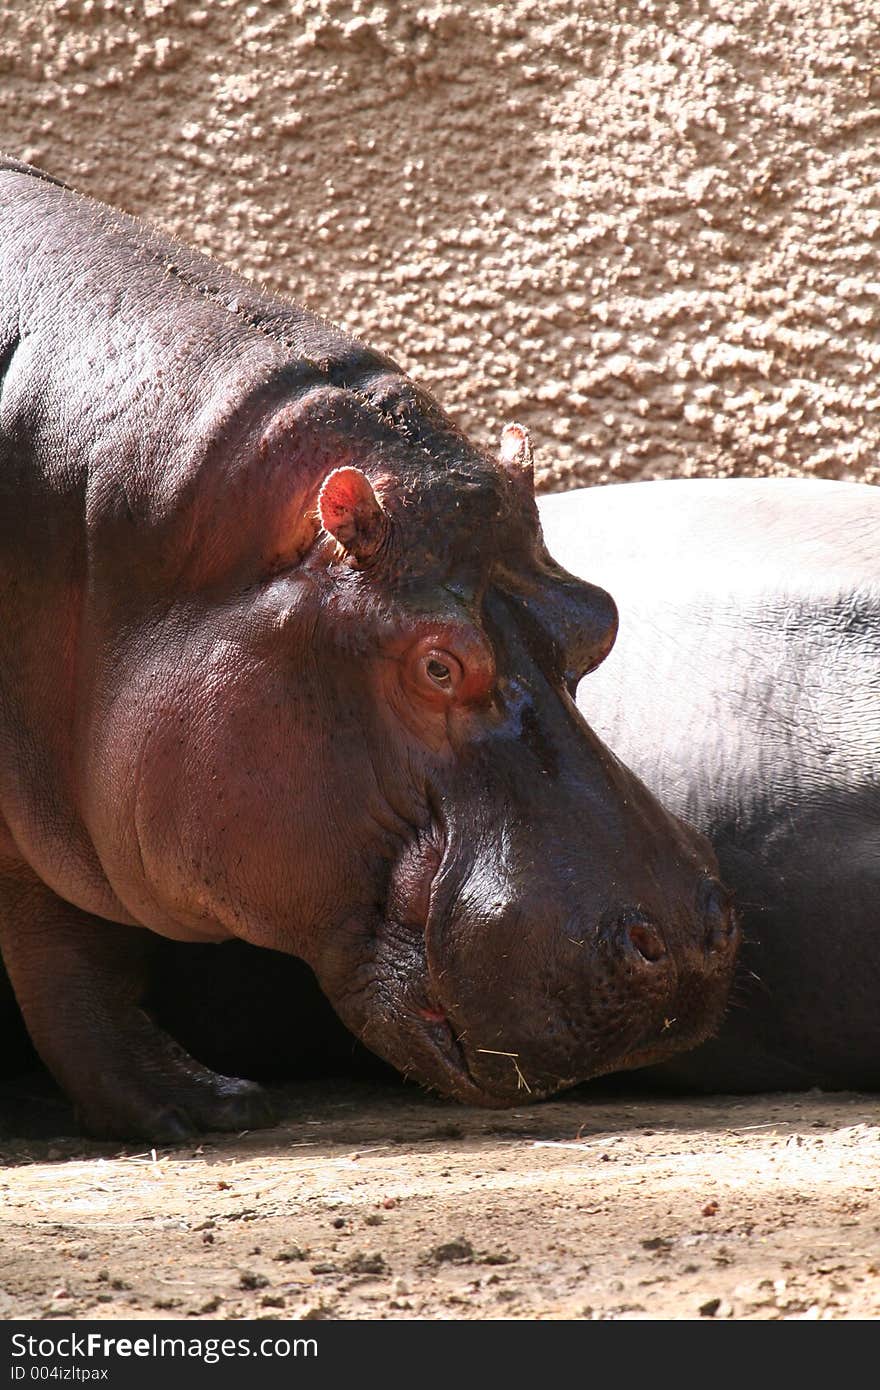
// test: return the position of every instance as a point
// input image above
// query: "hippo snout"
(647, 979)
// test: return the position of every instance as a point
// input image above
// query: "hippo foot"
(174, 1103)
(79, 981)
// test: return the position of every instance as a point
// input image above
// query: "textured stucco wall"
(649, 230)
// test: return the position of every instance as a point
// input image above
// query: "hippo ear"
(351, 512)
(516, 454)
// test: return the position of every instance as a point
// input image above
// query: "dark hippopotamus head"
(382, 768)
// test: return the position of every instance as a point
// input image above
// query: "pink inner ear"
(350, 511)
(345, 492)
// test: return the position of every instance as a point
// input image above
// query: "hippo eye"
(440, 673)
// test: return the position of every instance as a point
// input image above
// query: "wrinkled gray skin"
(745, 689)
(284, 659)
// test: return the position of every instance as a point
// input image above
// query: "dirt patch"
(379, 1202)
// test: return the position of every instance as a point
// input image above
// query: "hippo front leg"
(79, 981)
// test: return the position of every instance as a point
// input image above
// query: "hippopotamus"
(744, 689)
(285, 659)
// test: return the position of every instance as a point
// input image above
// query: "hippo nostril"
(647, 940)
(716, 909)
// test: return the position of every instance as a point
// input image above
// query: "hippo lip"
(426, 1044)
(445, 1062)
(431, 1032)
(458, 1078)
(449, 1068)
(443, 1057)
(439, 1035)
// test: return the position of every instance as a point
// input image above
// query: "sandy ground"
(377, 1201)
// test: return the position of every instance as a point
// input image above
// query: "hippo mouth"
(676, 1020)
(426, 1043)
(443, 1061)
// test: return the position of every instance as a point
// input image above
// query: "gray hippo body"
(744, 688)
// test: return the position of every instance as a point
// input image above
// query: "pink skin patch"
(514, 443)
